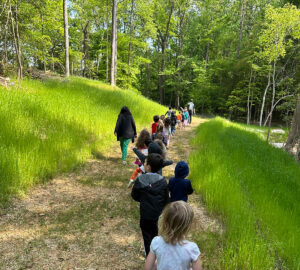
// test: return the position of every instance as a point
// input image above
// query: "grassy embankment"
(254, 188)
(50, 127)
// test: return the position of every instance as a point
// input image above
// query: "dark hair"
(148, 141)
(155, 118)
(155, 161)
(170, 108)
(144, 135)
(125, 111)
(167, 122)
(162, 147)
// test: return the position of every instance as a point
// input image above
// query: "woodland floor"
(86, 219)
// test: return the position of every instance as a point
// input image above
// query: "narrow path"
(85, 219)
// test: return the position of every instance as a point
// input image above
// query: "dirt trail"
(85, 219)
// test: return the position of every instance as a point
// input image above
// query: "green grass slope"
(255, 189)
(49, 127)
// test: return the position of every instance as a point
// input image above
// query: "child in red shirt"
(154, 125)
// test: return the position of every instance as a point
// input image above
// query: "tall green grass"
(49, 127)
(255, 189)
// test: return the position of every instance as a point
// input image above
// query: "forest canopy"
(237, 58)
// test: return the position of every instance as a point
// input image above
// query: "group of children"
(163, 128)
(165, 216)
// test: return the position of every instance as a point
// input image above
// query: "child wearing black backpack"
(151, 191)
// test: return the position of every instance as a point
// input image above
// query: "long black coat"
(125, 127)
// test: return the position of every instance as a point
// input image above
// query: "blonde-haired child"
(170, 250)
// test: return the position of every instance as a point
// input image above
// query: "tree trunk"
(264, 99)
(66, 31)
(243, 7)
(162, 77)
(16, 38)
(107, 56)
(5, 58)
(113, 68)
(248, 100)
(85, 47)
(130, 35)
(163, 43)
(293, 142)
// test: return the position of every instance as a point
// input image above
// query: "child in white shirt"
(170, 250)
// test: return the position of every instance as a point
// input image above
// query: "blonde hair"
(175, 222)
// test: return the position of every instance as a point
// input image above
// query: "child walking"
(167, 130)
(170, 250)
(151, 191)
(142, 145)
(186, 117)
(173, 122)
(179, 117)
(154, 125)
(180, 187)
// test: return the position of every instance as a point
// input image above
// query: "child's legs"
(149, 230)
(124, 146)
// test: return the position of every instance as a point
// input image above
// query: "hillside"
(50, 127)
(254, 188)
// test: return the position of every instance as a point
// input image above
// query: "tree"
(281, 23)
(113, 67)
(293, 142)
(66, 32)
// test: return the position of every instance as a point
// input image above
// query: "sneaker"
(130, 183)
(124, 162)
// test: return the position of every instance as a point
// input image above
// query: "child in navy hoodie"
(180, 187)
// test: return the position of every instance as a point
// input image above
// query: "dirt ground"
(86, 219)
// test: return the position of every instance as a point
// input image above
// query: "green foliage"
(208, 50)
(254, 189)
(50, 127)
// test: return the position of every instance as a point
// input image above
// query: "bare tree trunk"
(16, 38)
(162, 77)
(264, 99)
(130, 35)
(180, 45)
(163, 43)
(248, 100)
(293, 142)
(147, 77)
(243, 7)
(113, 68)
(66, 30)
(107, 56)
(85, 47)
(5, 58)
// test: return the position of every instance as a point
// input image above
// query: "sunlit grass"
(254, 188)
(50, 127)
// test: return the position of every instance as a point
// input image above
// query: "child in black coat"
(151, 191)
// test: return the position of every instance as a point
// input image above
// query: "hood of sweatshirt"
(149, 179)
(182, 170)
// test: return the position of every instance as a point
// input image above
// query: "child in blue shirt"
(180, 187)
